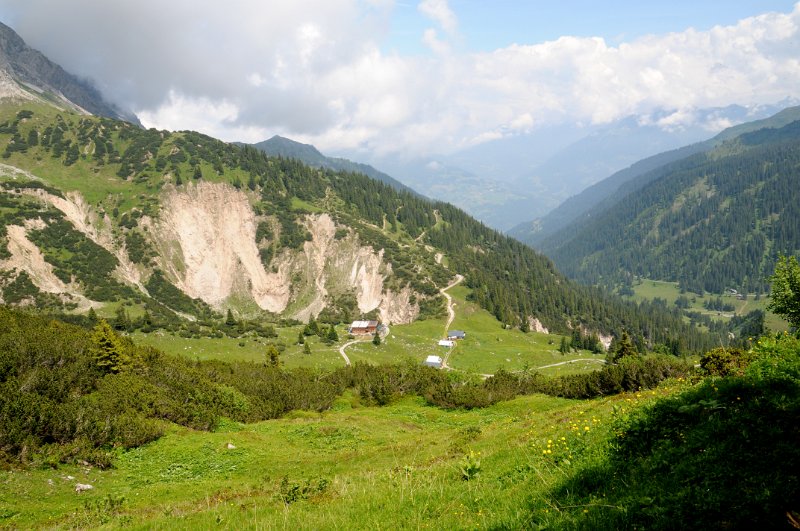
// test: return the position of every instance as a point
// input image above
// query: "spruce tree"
(306, 349)
(332, 335)
(564, 346)
(109, 353)
(376, 339)
(273, 356)
(121, 319)
(623, 348)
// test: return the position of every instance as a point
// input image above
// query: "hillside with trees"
(712, 221)
(124, 171)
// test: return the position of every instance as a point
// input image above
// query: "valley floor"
(487, 347)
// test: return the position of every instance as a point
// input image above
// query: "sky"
(416, 76)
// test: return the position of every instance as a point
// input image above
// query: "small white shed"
(446, 343)
(433, 361)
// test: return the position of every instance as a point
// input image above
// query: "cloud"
(440, 12)
(432, 41)
(315, 71)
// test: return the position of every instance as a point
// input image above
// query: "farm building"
(433, 361)
(456, 334)
(446, 343)
(363, 327)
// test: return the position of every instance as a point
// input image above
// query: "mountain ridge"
(377, 245)
(712, 221)
(279, 146)
(31, 75)
(537, 232)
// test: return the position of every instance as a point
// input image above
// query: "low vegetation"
(168, 440)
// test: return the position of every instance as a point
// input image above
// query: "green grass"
(229, 349)
(489, 347)
(669, 291)
(391, 467)
(299, 204)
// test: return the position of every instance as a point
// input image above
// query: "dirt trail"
(570, 361)
(342, 353)
(451, 315)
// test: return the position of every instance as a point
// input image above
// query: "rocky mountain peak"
(26, 73)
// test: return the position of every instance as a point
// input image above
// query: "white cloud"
(439, 12)
(315, 71)
(432, 41)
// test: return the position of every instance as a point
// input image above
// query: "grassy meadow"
(487, 348)
(669, 291)
(401, 466)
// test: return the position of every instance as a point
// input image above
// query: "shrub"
(723, 362)
(721, 455)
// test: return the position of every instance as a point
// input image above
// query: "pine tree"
(121, 319)
(229, 319)
(301, 338)
(332, 335)
(311, 328)
(306, 349)
(623, 348)
(273, 356)
(564, 346)
(110, 355)
(92, 316)
(376, 339)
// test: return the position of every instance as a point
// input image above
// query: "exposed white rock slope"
(206, 238)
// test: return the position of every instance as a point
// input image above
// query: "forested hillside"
(124, 173)
(578, 208)
(278, 146)
(710, 222)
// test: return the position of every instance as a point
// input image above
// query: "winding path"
(571, 361)
(451, 315)
(341, 350)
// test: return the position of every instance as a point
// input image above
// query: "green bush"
(725, 361)
(722, 455)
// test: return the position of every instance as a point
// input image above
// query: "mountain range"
(579, 205)
(182, 227)
(521, 177)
